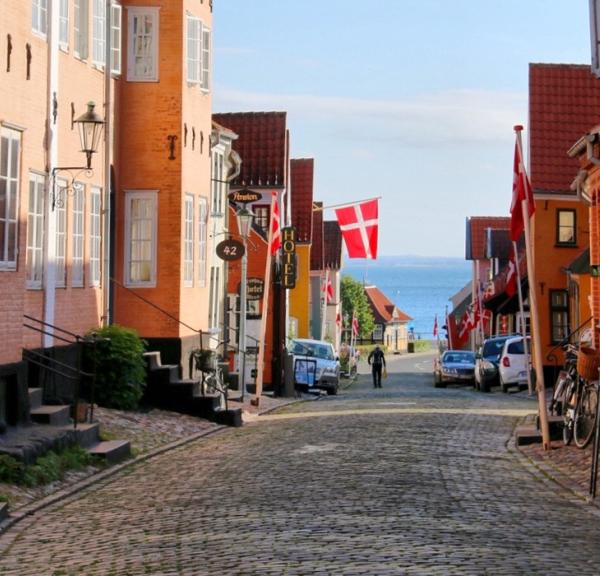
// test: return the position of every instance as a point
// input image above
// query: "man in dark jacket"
(376, 360)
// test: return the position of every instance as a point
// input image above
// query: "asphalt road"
(404, 480)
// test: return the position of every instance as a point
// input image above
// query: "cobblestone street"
(404, 480)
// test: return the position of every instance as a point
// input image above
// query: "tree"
(354, 301)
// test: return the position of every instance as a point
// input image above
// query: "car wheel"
(503, 386)
(484, 386)
(438, 384)
(332, 391)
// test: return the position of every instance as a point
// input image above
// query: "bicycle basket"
(588, 362)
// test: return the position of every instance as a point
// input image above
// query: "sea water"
(419, 286)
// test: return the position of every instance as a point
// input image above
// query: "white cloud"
(445, 118)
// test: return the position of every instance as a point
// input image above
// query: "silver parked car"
(315, 365)
(454, 366)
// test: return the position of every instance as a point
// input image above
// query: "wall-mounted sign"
(595, 270)
(244, 196)
(255, 288)
(288, 244)
(230, 250)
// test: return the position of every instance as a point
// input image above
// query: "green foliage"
(422, 345)
(119, 365)
(48, 468)
(11, 469)
(354, 300)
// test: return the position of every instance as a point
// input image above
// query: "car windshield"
(317, 350)
(493, 347)
(459, 358)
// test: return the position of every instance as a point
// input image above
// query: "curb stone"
(32, 508)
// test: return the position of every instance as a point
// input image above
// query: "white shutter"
(116, 36)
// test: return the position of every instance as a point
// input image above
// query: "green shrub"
(119, 365)
(11, 469)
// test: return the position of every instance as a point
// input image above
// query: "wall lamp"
(89, 126)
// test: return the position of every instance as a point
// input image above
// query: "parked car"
(315, 365)
(486, 362)
(513, 371)
(453, 366)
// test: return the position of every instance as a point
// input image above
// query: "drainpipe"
(106, 266)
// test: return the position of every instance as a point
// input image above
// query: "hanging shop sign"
(288, 245)
(244, 196)
(230, 250)
(255, 288)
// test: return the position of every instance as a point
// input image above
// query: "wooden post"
(534, 311)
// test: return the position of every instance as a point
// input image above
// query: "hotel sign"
(255, 288)
(244, 196)
(288, 244)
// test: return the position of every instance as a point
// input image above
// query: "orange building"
(263, 146)
(163, 201)
(564, 101)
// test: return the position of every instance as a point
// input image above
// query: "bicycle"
(563, 381)
(212, 381)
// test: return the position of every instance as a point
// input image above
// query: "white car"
(512, 366)
(315, 365)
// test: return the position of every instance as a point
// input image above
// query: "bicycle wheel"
(568, 411)
(584, 421)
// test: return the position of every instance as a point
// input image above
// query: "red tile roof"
(383, 308)
(301, 177)
(564, 103)
(332, 245)
(262, 144)
(476, 237)
(316, 250)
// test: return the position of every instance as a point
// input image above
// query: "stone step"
(231, 417)
(555, 426)
(525, 435)
(86, 434)
(36, 397)
(3, 511)
(53, 415)
(113, 451)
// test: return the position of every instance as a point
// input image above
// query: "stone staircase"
(52, 429)
(167, 389)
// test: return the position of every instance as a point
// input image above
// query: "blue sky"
(411, 100)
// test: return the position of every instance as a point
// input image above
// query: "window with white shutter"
(98, 32)
(63, 24)
(142, 48)
(39, 16)
(10, 155)
(188, 241)
(198, 59)
(80, 28)
(95, 235)
(140, 240)
(35, 231)
(77, 238)
(61, 236)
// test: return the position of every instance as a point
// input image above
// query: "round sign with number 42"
(230, 249)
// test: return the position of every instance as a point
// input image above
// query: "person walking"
(376, 360)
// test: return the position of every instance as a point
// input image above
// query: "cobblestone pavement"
(404, 480)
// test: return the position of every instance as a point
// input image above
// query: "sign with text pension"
(288, 244)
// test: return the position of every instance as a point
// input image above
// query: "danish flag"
(511, 276)
(521, 191)
(328, 288)
(275, 227)
(359, 224)
(355, 325)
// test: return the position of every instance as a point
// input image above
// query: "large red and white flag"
(521, 191)
(275, 225)
(511, 276)
(359, 224)
(465, 327)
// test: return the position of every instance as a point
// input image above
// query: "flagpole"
(345, 205)
(265, 313)
(448, 329)
(533, 309)
(522, 314)
(324, 308)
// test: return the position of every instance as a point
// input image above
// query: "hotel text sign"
(288, 244)
(245, 196)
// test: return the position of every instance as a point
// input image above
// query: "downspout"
(107, 288)
(49, 250)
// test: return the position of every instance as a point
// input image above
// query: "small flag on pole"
(521, 191)
(511, 276)
(275, 225)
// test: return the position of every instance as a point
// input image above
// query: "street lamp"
(89, 125)
(244, 222)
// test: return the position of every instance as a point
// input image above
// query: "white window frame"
(10, 181)
(217, 182)
(378, 332)
(152, 197)
(116, 39)
(81, 40)
(60, 256)
(78, 236)
(188, 241)
(151, 73)
(35, 230)
(95, 236)
(202, 233)
(63, 25)
(215, 281)
(99, 33)
(39, 17)
(198, 53)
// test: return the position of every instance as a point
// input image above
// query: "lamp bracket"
(57, 194)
